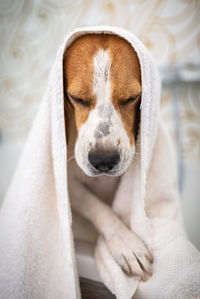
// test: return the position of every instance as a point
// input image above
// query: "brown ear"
(137, 120)
(70, 127)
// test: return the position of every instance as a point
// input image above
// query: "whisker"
(135, 159)
(74, 164)
(133, 162)
(137, 154)
(71, 158)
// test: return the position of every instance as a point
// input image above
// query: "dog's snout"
(103, 161)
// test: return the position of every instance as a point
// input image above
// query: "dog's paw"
(130, 253)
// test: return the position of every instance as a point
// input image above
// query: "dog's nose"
(103, 161)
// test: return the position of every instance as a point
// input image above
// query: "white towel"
(37, 257)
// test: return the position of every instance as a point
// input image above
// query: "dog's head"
(103, 87)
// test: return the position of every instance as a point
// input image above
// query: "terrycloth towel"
(37, 259)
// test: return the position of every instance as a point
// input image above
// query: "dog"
(102, 86)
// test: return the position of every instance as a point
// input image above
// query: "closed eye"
(78, 100)
(130, 100)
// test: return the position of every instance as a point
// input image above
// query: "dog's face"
(103, 85)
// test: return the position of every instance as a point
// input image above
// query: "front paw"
(130, 253)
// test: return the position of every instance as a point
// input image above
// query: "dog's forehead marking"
(102, 89)
(102, 64)
(101, 77)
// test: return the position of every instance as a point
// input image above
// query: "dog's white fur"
(103, 113)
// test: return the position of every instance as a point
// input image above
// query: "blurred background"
(30, 34)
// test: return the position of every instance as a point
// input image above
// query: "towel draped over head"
(37, 258)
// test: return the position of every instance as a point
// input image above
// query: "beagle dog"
(102, 82)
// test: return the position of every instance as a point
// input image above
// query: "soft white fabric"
(37, 253)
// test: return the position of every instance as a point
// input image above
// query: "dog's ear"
(68, 110)
(70, 127)
(137, 120)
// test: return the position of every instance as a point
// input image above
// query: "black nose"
(103, 161)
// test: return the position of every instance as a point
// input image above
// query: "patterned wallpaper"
(180, 106)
